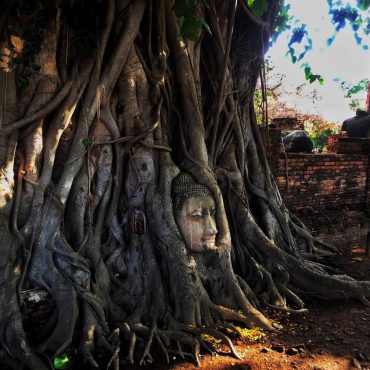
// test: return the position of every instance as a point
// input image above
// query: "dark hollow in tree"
(102, 104)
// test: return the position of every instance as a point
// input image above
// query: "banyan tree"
(117, 117)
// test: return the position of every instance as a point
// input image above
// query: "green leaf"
(190, 28)
(180, 8)
(86, 142)
(181, 21)
(259, 8)
(205, 25)
(309, 76)
(35, 67)
(62, 362)
(27, 72)
(363, 4)
(250, 3)
(18, 60)
(355, 89)
(22, 81)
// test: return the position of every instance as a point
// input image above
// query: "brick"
(322, 179)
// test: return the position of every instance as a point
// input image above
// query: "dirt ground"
(333, 335)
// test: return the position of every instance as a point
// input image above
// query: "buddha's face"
(197, 224)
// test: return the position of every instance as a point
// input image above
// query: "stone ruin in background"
(287, 123)
(337, 143)
(330, 191)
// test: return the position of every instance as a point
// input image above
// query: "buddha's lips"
(208, 240)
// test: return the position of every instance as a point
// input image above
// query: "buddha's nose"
(210, 228)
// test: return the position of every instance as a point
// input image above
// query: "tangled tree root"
(173, 341)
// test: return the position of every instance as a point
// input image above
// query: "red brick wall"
(321, 181)
(328, 192)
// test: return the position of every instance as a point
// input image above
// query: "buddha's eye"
(196, 214)
(213, 212)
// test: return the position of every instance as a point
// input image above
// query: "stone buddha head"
(194, 210)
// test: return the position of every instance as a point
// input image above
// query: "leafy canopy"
(191, 22)
(342, 14)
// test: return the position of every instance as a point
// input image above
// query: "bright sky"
(344, 59)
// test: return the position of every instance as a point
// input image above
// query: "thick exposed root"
(172, 341)
(307, 276)
(96, 337)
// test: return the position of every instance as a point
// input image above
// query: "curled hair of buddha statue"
(184, 187)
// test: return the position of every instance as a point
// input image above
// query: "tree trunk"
(103, 104)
